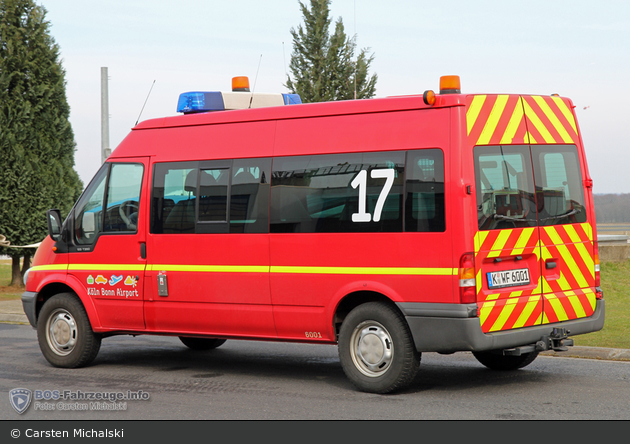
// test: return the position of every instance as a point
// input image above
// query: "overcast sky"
(579, 49)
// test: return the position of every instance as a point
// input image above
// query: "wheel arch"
(53, 288)
(353, 300)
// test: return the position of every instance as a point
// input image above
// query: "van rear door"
(507, 244)
(567, 247)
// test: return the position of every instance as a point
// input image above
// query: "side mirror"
(54, 224)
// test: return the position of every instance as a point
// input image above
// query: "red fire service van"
(389, 227)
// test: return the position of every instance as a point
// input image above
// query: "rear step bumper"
(448, 328)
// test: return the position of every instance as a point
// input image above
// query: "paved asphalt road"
(245, 380)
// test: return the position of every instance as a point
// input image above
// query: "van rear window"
(519, 186)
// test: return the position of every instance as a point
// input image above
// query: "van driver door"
(106, 254)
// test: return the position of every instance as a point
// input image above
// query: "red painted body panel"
(288, 286)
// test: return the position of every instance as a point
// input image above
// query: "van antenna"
(255, 78)
(285, 61)
(145, 102)
(355, 43)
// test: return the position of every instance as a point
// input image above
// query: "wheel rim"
(371, 348)
(61, 332)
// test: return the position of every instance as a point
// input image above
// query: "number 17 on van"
(391, 227)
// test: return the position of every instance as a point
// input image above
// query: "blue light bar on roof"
(200, 101)
(291, 99)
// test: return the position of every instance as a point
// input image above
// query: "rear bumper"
(448, 328)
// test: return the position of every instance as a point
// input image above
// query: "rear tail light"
(467, 282)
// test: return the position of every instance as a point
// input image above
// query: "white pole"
(105, 150)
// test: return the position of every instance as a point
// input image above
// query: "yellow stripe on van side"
(414, 271)
(106, 267)
(308, 270)
(212, 268)
(367, 270)
(54, 267)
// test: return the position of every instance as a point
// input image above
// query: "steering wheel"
(128, 211)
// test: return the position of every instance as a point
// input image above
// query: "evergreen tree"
(36, 139)
(323, 65)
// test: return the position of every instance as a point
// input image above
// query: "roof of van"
(398, 103)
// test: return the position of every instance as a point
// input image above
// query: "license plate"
(508, 278)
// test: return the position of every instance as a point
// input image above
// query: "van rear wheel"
(64, 333)
(201, 343)
(497, 361)
(376, 349)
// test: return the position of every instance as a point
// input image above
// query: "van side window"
(192, 197)
(249, 198)
(559, 189)
(424, 188)
(88, 213)
(213, 186)
(121, 202)
(355, 192)
(505, 189)
(123, 197)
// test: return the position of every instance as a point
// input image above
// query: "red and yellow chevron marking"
(564, 306)
(503, 119)
(569, 291)
(509, 308)
(559, 294)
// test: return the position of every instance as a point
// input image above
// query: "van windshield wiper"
(567, 214)
(496, 216)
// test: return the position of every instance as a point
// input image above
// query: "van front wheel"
(376, 349)
(64, 333)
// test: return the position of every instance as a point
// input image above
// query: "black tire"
(202, 343)
(376, 349)
(64, 332)
(497, 361)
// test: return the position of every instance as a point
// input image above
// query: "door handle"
(143, 250)
(551, 264)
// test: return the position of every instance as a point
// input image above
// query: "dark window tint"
(424, 202)
(356, 192)
(213, 192)
(174, 198)
(249, 197)
(192, 197)
(559, 188)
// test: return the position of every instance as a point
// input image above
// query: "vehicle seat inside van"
(181, 219)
